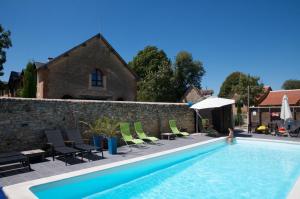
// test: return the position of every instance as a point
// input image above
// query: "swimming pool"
(246, 169)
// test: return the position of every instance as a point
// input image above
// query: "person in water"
(230, 137)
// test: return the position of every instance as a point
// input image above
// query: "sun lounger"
(175, 130)
(127, 137)
(208, 128)
(75, 136)
(141, 134)
(294, 131)
(56, 141)
(14, 157)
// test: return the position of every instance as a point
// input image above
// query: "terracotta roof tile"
(274, 98)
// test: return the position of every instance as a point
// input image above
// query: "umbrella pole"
(197, 120)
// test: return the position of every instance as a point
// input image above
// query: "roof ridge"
(102, 38)
(285, 90)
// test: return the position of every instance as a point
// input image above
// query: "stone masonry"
(70, 74)
(23, 121)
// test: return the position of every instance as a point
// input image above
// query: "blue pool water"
(246, 169)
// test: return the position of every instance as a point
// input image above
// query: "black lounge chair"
(75, 136)
(294, 131)
(56, 141)
(14, 157)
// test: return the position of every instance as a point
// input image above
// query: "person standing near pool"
(230, 137)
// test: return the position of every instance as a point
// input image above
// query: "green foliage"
(212, 132)
(29, 84)
(291, 84)
(227, 89)
(156, 76)
(187, 72)
(238, 118)
(149, 60)
(158, 81)
(157, 86)
(19, 92)
(237, 84)
(109, 127)
(93, 128)
(102, 126)
(5, 43)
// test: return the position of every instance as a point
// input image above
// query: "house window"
(97, 78)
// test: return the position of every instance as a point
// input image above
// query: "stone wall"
(23, 121)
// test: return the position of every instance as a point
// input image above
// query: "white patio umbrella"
(210, 103)
(285, 112)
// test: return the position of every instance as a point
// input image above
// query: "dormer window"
(97, 78)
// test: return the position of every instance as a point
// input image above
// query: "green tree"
(291, 84)
(29, 81)
(148, 60)
(157, 86)
(237, 84)
(187, 72)
(227, 88)
(5, 43)
(156, 76)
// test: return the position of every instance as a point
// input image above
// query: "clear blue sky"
(260, 37)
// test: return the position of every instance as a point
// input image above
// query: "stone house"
(10, 88)
(4, 89)
(194, 94)
(90, 70)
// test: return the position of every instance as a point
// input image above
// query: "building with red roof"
(269, 106)
(274, 98)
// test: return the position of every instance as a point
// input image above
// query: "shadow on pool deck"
(50, 168)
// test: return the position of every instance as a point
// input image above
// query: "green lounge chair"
(141, 134)
(175, 130)
(127, 137)
(208, 128)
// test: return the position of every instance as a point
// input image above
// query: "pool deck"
(50, 168)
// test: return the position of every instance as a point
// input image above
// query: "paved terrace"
(50, 168)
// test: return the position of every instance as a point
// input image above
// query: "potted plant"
(109, 129)
(94, 129)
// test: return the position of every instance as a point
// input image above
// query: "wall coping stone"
(88, 101)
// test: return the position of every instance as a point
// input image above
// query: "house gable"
(71, 74)
(97, 37)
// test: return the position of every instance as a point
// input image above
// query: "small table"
(283, 133)
(34, 153)
(168, 135)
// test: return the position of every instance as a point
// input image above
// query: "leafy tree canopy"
(5, 43)
(29, 84)
(236, 84)
(157, 86)
(156, 76)
(148, 60)
(187, 72)
(158, 81)
(291, 84)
